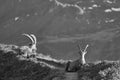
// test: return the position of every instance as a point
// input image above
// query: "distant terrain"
(60, 25)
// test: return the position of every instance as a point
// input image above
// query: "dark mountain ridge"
(13, 66)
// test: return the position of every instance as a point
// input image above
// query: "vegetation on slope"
(13, 66)
(103, 70)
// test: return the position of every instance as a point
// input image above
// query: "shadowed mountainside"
(13, 66)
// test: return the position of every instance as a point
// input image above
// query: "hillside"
(13, 66)
(60, 25)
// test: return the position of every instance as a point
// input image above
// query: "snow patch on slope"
(81, 10)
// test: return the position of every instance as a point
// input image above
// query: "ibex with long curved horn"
(76, 64)
(31, 48)
(82, 54)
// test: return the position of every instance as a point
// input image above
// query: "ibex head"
(33, 44)
(83, 51)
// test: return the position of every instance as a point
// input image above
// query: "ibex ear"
(34, 38)
(79, 48)
(29, 37)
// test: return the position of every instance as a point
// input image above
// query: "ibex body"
(31, 48)
(82, 54)
(75, 65)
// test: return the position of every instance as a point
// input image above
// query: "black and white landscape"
(59, 39)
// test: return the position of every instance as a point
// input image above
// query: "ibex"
(75, 65)
(31, 48)
(82, 54)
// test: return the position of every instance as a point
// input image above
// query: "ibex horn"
(34, 38)
(29, 37)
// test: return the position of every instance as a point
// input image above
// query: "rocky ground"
(14, 66)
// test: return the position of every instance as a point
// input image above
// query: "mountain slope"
(13, 66)
(62, 24)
